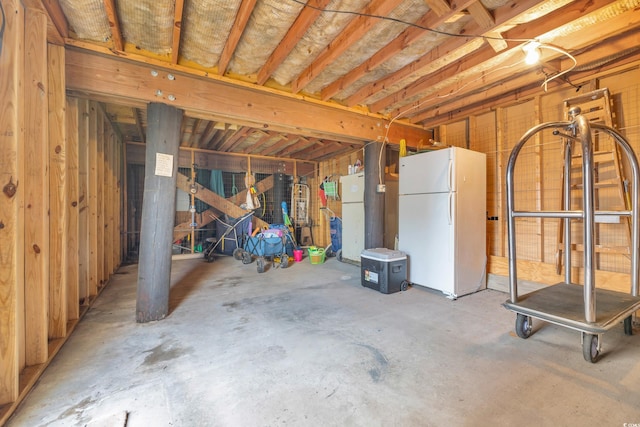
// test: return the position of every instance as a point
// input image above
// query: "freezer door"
(352, 188)
(426, 234)
(426, 172)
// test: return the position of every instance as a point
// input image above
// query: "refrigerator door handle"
(450, 175)
(450, 208)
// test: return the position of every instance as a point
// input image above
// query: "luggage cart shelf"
(562, 304)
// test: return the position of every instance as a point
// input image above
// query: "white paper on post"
(164, 164)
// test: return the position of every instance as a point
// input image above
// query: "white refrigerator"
(352, 196)
(442, 220)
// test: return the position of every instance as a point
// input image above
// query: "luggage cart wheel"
(238, 253)
(404, 285)
(628, 325)
(590, 347)
(209, 256)
(284, 261)
(246, 257)
(523, 326)
(339, 255)
(260, 263)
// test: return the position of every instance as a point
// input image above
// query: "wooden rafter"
(239, 134)
(521, 78)
(177, 30)
(481, 15)
(528, 31)
(286, 141)
(512, 10)
(440, 7)
(300, 144)
(404, 40)
(302, 23)
(221, 135)
(114, 24)
(236, 31)
(208, 133)
(314, 152)
(57, 16)
(357, 28)
(139, 128)
(239, 141)
(267, 136)
(193, 137)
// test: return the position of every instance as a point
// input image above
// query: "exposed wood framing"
(73, 227)
(481, 15)
(177, 28)
(36, 187)
(440, 7)
(405, 39)
(83, 201)
(11, 213)
(100, 167)
(59, 230)
(302, 23)
(242, 17)
(94, 248)
(357, 28)
(114, 23)
(131, 83)
(57, 16)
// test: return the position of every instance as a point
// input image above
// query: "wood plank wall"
(52, 172)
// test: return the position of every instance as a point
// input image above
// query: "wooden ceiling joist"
(511, 10)
(440, 7)
(139, 128)
(357, 28)
(481, 15)
(242, 17)
(114, 24)
(405, 39)
(177, 31)
(302, 23)
(57, 16)
(280, 145)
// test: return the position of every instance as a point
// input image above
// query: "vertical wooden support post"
(374, 161)
(73, 230)
(92, 148)
(11, 194)
(108, 201)
(58, 235)
(118, 206)
(100, 194)
(83, 200)
(124, 203)
(36, 187)
(158, 212)
(503, 151)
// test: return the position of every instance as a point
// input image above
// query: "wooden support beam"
(12, 198)
(100, 171)
(242, 17)
(481, 15)
(58, 193)
(73, 228)
(158, 211)
(36, 187)
(130, 83)
(57, 16)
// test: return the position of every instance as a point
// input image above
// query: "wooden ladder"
(609, 182)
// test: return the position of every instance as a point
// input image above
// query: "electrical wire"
(411, 24)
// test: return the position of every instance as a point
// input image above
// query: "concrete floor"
(308, 346)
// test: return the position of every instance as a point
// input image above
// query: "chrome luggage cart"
(568, 304)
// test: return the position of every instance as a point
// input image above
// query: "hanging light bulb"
(532, 52)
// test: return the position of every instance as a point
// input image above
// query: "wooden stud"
(73, 229)
(36, 186)
(92, 148)
(83, 201)
(100, 137)
(58, 235)
(11, 214)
